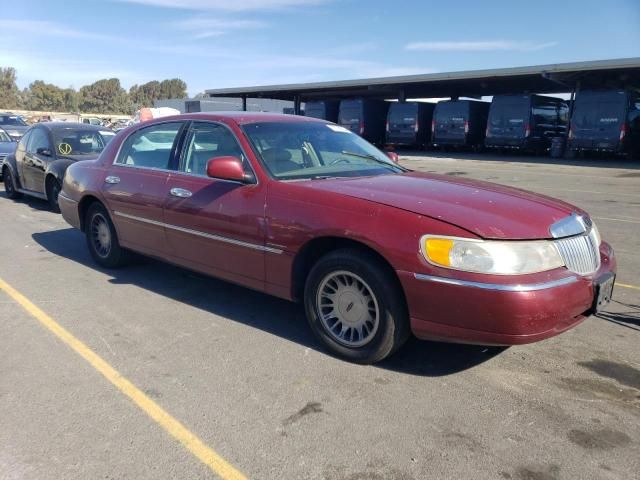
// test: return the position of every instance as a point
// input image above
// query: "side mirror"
(44, 151)
(227, 168)
(393, 156)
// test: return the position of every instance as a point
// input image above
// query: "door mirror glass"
(44, 151)
(226, 168)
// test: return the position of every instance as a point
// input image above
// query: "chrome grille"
(581, 253)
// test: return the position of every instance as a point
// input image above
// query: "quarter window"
(206, 141)
(150, 147)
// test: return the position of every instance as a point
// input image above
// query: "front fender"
(58, 168)
(10, 161)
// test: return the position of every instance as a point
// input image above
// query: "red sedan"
(305, 210)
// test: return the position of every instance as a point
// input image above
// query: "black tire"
(53, 188)
(97, 226)
(10, 185)
(393, 318)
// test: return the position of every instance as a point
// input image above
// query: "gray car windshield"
(12, 120)
(4, 137)
(310, 150)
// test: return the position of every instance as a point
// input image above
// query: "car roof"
(69, 125)
(241, 117)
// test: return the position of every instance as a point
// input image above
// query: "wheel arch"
(316, 248)
(10, 163)
(83, 208)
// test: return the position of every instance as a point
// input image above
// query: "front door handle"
(180, 192)
(112, 179)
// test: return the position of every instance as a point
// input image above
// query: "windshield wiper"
(371, 157)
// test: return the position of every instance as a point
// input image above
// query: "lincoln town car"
(305, 210)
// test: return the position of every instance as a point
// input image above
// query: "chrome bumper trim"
(531, 287)
(209, 236)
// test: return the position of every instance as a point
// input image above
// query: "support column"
(244, 103)
(296, 105)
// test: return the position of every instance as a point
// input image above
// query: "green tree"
(105, 96)
(174, 88)
(46, 97)
(9, 93)
(71, 100)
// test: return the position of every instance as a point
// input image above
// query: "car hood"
(485, 209)
(7, 147)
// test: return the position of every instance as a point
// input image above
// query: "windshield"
(68, 141)
(315, 150)
(13, 120)
(4, 137)
(600, 110)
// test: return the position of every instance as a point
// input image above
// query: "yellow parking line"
(635, 287)
(190, 441)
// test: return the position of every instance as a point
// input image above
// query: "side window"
(206, 141)
(150, 147)
(22, 144)
(38, 139)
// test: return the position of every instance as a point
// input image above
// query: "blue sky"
(227, 43)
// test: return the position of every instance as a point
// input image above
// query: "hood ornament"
(569, 226)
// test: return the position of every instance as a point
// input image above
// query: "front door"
(35, 161)
(135, 186)
(215, 226)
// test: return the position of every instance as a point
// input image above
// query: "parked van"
(526, 122)
(409, 123)
(459, 123)
(323, 109)
(606, 120)
(365, 117)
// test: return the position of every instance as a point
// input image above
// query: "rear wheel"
(102, 238)
(355, 306)
(53, 190)
(10, 184)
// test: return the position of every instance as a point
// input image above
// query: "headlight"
(512, 257)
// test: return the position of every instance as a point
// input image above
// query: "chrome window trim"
(198, 233)
(530, 287)
(183, 152)
(115, 163)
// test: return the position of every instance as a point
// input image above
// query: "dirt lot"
(242, 372)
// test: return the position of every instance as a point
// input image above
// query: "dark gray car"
(14, 125)
(7, 147)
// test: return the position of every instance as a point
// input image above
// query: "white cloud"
(229, 5)
(46, 28)
(478, 46)
(204, 27)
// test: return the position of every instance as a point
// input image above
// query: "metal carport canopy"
(553, 78)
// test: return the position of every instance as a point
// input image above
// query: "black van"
(323, 109)
(409, 123)
(526, 122)
(459, 123)
(366, 117)
(607, 121)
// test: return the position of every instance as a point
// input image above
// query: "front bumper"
(69, 210)
(505, 313)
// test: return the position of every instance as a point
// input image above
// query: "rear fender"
(57, 168)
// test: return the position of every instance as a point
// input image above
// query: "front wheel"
(10, 185)
(355, 306)
(53, 191)
(102, 238)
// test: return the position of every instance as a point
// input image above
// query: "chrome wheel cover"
(347, 308)
(100, 235)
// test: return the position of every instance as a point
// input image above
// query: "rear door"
(402, 123)
(135, 186)
(508, 119)
(598, 118)
(352, 116)
(215, 226)
(450, 123)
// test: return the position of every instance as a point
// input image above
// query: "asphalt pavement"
(194, 359)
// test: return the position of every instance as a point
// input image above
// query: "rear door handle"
(112, 179)
(180, 192)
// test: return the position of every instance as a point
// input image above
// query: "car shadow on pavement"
(629, 319)
(32, 202)
(275, 316)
